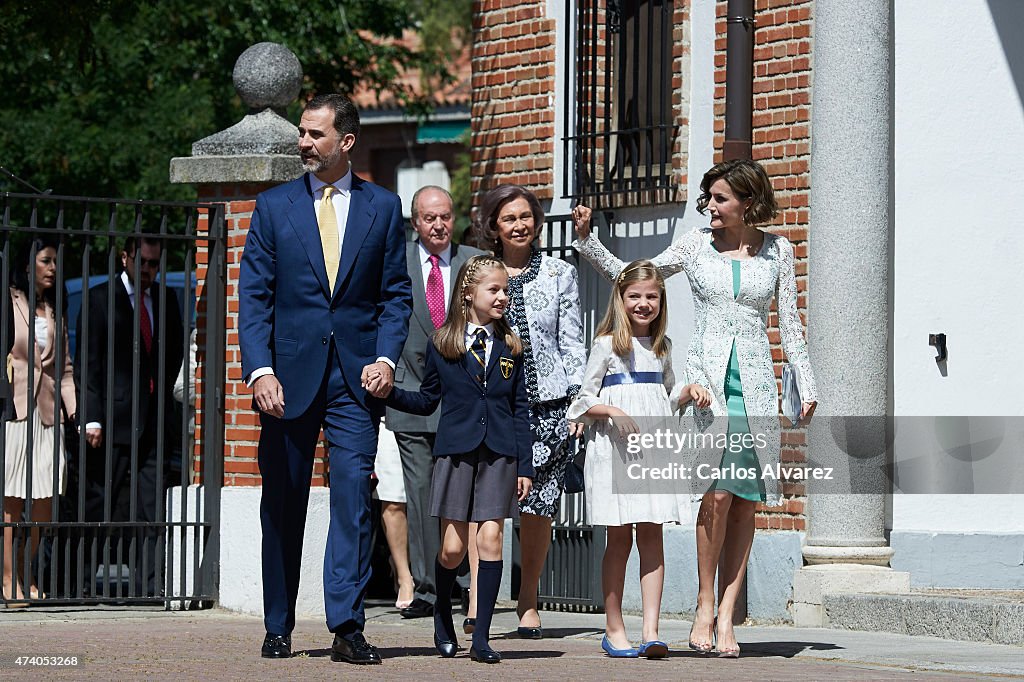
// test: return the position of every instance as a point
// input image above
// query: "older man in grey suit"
(433, 263)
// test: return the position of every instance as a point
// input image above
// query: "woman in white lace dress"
(735, 271)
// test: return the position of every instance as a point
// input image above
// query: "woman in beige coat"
(34, 392)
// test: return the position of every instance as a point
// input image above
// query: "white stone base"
(241, 565)
(181, 542)
(811, 583)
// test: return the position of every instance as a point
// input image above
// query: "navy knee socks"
(444, 581)
(488, 580)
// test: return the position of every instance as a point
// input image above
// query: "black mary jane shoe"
(356, 650)
(487, 655)
(445, 647)
(276, 646)
(530, 633)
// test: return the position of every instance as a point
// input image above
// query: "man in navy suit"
(324, 311)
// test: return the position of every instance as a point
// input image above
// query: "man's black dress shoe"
(446, 648)
(356, 650)
(419, 608)
(469, 625)
(530, 633)
(276, 646)
(487, 655)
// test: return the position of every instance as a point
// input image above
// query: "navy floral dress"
(544, 311)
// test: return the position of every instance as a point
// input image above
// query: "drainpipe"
(739, 80)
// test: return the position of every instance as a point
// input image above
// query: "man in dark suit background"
(324, 308)
(433, 263)
(130, 423)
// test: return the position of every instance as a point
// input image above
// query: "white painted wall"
(959, 233)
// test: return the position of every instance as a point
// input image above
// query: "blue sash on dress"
(632, 378)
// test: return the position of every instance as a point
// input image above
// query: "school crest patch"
(506, 365)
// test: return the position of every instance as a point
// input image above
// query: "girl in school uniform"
(474, 368)
(629, 375)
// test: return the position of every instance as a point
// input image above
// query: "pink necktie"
(435, 293)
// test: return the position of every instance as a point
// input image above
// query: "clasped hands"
(378, 379)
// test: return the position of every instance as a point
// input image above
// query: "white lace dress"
(722, 318)
(604, 506)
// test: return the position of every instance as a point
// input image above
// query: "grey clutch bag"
(791, 403)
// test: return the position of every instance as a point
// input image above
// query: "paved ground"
(119, 644)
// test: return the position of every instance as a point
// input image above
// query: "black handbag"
(70, 433)
(574, 481)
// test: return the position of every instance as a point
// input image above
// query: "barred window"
(621, 145)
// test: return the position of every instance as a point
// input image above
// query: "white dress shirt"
(488, 342)
(340, 199)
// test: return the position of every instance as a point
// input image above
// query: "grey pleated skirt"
(476, 486)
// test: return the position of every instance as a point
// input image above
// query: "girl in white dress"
(629, 375)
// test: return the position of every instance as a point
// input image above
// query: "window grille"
(621, 145)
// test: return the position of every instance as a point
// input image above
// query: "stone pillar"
(849, 314)
(231, 167)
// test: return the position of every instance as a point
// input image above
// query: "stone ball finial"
(267, 75)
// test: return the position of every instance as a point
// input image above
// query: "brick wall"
(513, 87)
(241, 423)
(781, 127)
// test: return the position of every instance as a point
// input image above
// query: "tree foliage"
(98, 95)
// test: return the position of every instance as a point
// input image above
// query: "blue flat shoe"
(631, 652)
(653, 649)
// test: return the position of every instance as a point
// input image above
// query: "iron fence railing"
(126, 507)
(618, 139)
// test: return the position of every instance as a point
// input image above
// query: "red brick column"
(782, 144)
(513, 113)
(241, 422)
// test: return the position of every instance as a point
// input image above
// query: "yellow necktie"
(328, 221)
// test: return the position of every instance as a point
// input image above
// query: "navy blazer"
(496, 414)
(286, 314)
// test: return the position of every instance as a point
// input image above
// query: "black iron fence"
(102, 501)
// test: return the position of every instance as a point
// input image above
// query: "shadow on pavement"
(783, 649)
(555, 633)
(533, 653)
(385, 652)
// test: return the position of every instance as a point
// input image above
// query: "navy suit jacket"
(287, 314)
(496, 414)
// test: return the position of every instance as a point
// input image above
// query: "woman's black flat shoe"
(446, 648)
(485, 655)
(530, 633)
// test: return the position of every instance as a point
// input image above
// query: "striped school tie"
(475, 358)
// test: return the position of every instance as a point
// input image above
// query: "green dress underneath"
(747, 488)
